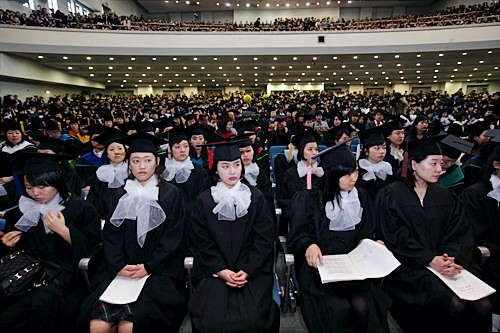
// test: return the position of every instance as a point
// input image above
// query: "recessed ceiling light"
(235, 59)
(355, 57)
(361, 66)
(176, 74)
(248, 5)
(90, 67)
(133, 59)
(490, 52)
(220, 67)
(145, 74)
(202, 67)
(396, 56)
(124, 80)
(418, 72)
(127, 74)
(184, 68)
(375, 56)
(334, 58)
(109, 74)
(154, 59)
(308, 66)
(315, 58)
(91, 74)
(383, 73)
(419, 55)
(111, 59)
(88, 58)
(160, 74)
(267, 5)
(65, 58)
(41, 57)
(110, 67)
(70, 67)
(109, 81)
(215, 59)
(418, 64)
(464, 54)
(275, 58)
(436, 71)
(174, 59)
(272, 67)
(325, 66)
(441, 54)
(481, 61)
(475, 69)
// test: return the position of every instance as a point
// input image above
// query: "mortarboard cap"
(109, 136)
(243, 141)
(425, 147)
(249, 126)
(280, 118)
(475, 129)
(50, 143)
(176, 135)
(372, 136)
(11, 125)
(248, 114)
(225, 151)
(37, 163)
(453, 146)
(142, 142)
(391, 126)
(53, 125)
(297, 129)
(195, 129)
(336, 155)
(301, 139)
(97, 129)
(145, 126)
(493, 133)
(336, 132)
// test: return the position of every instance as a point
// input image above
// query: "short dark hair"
(214, 177)
(52, 178)
(330, 186)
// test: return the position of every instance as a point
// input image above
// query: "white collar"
(180, 170)
(495, 183)
(397, 153)
(231, 202)
(11, 150)
(140, 203)
(380, 170)
(251, 173)
(32, 211)
(345, 216)
(302, 169)
(98, 154)
(114, 176)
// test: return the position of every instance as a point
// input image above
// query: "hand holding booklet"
(123, 290)
(465, 285)
(369, 260)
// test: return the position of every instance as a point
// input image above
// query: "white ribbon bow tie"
(251, 173)
(380, 170)
(32, 210)
(495, 183)
(302, 169)
(231, 203)
(180, 170)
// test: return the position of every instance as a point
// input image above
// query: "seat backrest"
(273, 152)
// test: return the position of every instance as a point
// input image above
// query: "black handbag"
(20, 272)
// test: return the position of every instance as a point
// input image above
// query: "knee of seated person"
(456, 306)
(482, 307)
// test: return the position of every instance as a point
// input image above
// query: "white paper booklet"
(369, 260)
(123, 290)
(465, 285)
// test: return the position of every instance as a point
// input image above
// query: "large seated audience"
(457, 15)
(137, 183)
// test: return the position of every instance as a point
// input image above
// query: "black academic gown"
(415, 235)
(281, 165)
(244, 244)
(483, 213)
(197, 182)
(6, 159)
(373, 186)
(100, 195)
(54, 308)
(279, 138)
(326, 307)
(290, 184)
(161, 306)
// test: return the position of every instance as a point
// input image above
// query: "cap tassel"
(404, 172)
(210, 158)
(309, 177)
(21, 124)
(291, 154)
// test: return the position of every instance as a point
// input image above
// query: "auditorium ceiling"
(161, 6)
(422, 68)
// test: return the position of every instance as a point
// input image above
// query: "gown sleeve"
(301, 234)
(173, 238)
(395, 230)
(262, 238)
(201, 241)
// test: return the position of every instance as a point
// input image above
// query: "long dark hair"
(488, 168)
(158, 170)
(410, 175)
(52, 178)
(413, 129)
(300, 152)
(330, 187)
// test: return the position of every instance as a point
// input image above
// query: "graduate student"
(191, 178)
(253, 174)
(452, 176)
(395, 135)
(482, 210)
(15, 144)
(109, 177)
(374, 172)
(232, 243)
(197, 138)
(420, 222)
(333, 219)
(58, 228)
(144, 236)
(288, 158)
(296, 178)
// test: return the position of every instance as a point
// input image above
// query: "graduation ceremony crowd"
(456, 15)
(138, 183)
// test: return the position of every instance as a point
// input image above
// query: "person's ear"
(157, 161)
